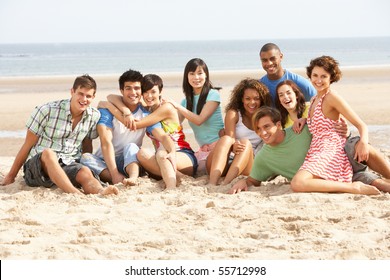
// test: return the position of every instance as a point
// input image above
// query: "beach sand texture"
(194, 221)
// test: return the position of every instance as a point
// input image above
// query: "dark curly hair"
(329, 64)
(301, 102)
(235, 102)
(129, 76)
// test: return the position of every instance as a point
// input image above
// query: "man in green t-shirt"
(284, 152)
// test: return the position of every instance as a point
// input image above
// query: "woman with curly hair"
(240, 141)
(326, 167)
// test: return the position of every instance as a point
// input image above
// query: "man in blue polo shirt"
(271, 60)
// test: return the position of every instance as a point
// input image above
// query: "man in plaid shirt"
(57, 133)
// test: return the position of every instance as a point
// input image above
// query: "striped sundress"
(326, 157)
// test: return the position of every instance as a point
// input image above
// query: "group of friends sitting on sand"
(282, 124)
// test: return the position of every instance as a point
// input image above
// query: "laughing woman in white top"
(240, 141)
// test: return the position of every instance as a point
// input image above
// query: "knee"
(227, 140)
(142, 154)
(161, 155)
(84, 174)
(48, 155)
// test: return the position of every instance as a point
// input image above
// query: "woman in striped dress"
(326, 167)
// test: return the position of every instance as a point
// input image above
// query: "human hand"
(238, 147)
(8, 179)
(239, 187)
(341, 128)
(298, 125)
(129, 121)
(174, 103)
(361, 151)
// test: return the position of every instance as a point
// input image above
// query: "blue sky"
(38, 21)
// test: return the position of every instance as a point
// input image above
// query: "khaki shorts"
(360, 169)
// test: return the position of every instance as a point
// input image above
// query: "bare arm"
(105, 135)
(165, 111)
(117, 101)
(231, 120)
(87, 146)
(123, 118)
(362, 148)
(124, 114)
(29, 142)
(208, 109)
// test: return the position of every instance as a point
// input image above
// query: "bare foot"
(168, 189)
(171, 186)
(211, 185)
(212, 188)
(360, 188)
(130, 182)
(109, 190)
(181, 178)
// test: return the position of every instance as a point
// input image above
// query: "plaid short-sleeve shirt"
(52, 123)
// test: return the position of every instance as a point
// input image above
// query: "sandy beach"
(194, 221)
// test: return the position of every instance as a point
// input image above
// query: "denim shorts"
(97, 164)
(360, 169)
(35, 177)
(190, 153)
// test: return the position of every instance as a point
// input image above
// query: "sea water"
(148, 57)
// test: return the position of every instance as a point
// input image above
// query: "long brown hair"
(301, 102)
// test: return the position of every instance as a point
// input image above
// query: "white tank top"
(242, 132)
